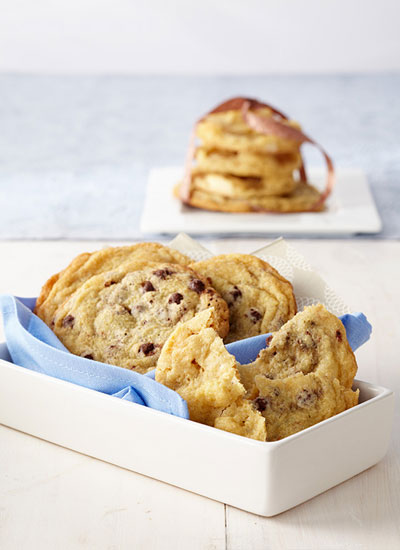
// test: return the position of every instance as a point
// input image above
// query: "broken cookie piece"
(242, 418)
(195, 363)
(297, 402)
(304, 376)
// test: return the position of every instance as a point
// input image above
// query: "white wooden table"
(51, 497)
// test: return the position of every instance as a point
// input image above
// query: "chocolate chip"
(255, 315)
(339, 337)
(109, 283)
(260, 403)
(68, 321)
(197, 285)
(268, 340)
(277, 391)
(147, 349)
(88, 356)
(163, 273)
(175, 298)
(306, 398)
(236, 293)
(147, 286)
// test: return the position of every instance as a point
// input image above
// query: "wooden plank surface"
(51, 497)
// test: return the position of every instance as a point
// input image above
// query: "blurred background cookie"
(228, 131)
(235, 187)
(302, 198)
(245, 163)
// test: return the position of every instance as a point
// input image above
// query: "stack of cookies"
(147, 306)
(247, 160)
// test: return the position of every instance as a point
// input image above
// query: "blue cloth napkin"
(33, 345)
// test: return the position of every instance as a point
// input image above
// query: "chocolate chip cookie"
(300, 199)
(123, 317)
(228, 131)
(304, 376)
(260, 300)
(62, 285)
(235, 187)
(245, 163)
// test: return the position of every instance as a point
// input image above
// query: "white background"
(199, 37)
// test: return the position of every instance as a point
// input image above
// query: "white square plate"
(265, 478)
(350, 210)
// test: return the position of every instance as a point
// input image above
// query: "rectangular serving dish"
(260, 477)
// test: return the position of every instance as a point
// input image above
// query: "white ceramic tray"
(263, 478)
(350, 210)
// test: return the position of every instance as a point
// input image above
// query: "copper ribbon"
(264, 125)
